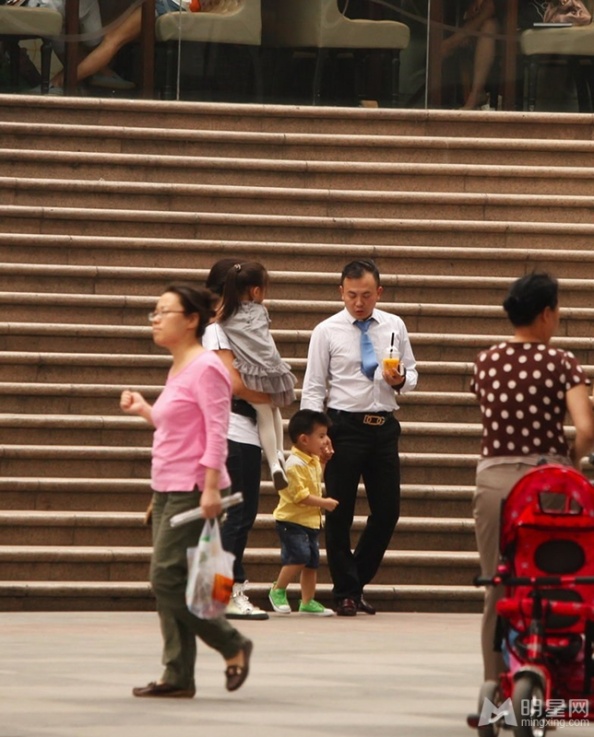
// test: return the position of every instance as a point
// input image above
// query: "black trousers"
(368, 452)
(244, 464)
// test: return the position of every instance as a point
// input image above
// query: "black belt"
(243, 408)
(376, 419)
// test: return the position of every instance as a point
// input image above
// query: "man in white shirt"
(344, 371)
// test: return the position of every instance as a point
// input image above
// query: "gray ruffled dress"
(256, 356)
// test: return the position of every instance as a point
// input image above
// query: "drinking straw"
(392, 346)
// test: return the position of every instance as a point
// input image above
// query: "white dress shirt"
(334, 373)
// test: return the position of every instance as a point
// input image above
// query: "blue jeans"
(299, 545)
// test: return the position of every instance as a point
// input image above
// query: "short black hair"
(304, 421)
(358, 268)
(529, 296)
(196, 301)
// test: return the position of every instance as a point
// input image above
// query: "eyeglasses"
(152, 316)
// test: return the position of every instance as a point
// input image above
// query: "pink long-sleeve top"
(191, 418)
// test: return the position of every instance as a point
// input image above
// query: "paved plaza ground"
(404, 675)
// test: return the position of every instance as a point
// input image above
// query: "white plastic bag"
(210, 574)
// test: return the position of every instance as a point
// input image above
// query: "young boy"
(298, 514)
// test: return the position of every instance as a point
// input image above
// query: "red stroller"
(547, 615)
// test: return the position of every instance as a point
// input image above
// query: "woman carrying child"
(245, 321)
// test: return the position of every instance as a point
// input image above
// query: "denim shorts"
(299, 545)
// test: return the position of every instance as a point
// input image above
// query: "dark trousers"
(244, 464)
(368, 452)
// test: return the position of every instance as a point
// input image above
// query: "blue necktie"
(368, 359)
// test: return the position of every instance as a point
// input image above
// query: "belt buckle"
(374, 420)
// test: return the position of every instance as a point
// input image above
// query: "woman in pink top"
(188, 470)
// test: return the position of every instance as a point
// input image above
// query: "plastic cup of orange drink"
(391, 363)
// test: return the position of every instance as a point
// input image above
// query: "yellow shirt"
(304, 473)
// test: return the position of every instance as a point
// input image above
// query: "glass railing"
(449, 54)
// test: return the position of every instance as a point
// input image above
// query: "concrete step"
(311, 145)
(49, 493)
(105, 222)
(115, 430)
(419, 167)
(86, 280)
(128, 317)
(203, 116)
(57, 398)
(75, 461)
(88, 399)
(91, 368)
(398, 567)
(118, 430)
(293, 202)
(74, 528)
(471, 258)
(121, 369)
(98, 462)
(416, 500)
(132, 495)
(127, 564)
(136, 596)
(127, 529)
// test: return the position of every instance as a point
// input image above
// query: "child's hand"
(327, 451)
(329, 504)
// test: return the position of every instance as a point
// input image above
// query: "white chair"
(18, 24)
(320, 26)
(234, 22)
(573, 45)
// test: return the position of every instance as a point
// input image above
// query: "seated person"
(91, 28)
(126, 29)
(479, 30)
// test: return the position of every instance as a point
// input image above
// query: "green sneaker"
(278, 599)
(314, 608)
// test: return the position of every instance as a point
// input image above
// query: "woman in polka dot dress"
(525, 389)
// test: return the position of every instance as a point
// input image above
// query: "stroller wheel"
(529, 708)
(489, 690)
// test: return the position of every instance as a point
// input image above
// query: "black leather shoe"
(365, 606)
(346, 608)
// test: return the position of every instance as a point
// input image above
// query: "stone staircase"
(105, 202)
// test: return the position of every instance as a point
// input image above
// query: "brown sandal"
(236, 674)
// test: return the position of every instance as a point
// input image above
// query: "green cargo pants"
(169, 573)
